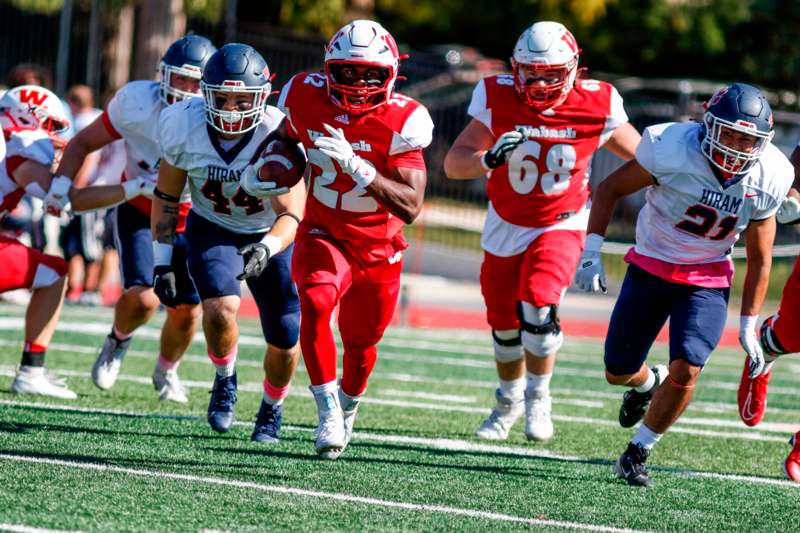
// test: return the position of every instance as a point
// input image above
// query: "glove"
(57, 198)
(256, 256)
(138, 187)
(591, 277)
(254, 186)
(165, 285)
(789, 211)
(499, 153)
(749, 341)
(338, 148)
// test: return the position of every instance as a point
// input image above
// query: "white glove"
(57, 198)
(338, 148)
(789, 211)
(138, 187)
(591, 277)
(749, 341)
(498, 154)
(254, 186)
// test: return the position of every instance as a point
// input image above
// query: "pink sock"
(225, 365)
(122, 336)
(274, 395)
(167, 365)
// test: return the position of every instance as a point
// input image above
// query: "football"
(283, 162)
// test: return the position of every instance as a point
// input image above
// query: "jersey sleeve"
(173, 127)
(650, 151)
(128, 108)
(616, 116)
(477, 106)
(31, 145)
(781, 176)
(285, 100)
(416, 133)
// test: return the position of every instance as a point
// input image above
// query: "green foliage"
(317, 16)
(210, 10)
(38, 6)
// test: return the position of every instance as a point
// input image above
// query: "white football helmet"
(362, 43)
(545, 64)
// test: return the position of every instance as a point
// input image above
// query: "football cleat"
(168, 386)
(220, 406)
(631, 466)
(35, 380)
(634, 403)
(538, 424)
(502, 417)
(268, 423)
(330, 434)
(792, 464)
(106, 368)
(752, 396)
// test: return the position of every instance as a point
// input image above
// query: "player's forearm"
(164, 220)
(92, 198)
(402, 200)
(464, 163)
(285, 228)
(604, 200)
(73, 158)
(84, 174)
(756, 282)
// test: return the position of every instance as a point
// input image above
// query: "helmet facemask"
(168, 92)
(357, 86)
(729, 159)
(249, 112)
(544, 86)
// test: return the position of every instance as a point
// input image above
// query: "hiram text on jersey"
(535, 132)
(216, 173)
(718, 200)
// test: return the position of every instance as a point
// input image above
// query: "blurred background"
(664, 56)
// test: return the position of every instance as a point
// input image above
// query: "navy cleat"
(268, 423)
(220, 407)
(634, 403)
(631, 466)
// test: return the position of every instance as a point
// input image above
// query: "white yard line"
(20, 528)
(334, 496)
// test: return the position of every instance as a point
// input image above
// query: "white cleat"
(538, 424)
(331, 435)
(349, 412)
(106, 368)
(34, 380)
(503, 416)
(168, 386)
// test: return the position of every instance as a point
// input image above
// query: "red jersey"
(390, 136)
(546, 179)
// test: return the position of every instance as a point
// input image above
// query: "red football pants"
(20, 264)
(787, 325)
(326, 276)
(538, 276)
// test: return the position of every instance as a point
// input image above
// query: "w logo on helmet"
(717, 97)
(568, 38)
(33, 98)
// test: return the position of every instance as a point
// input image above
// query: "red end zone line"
(440, 317)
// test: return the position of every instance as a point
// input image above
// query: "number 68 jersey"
(690, 216)
(546, 178)
(213, 172)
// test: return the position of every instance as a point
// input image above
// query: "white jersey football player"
(230, 234)
(132, 115)
(706, 184)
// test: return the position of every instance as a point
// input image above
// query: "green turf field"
(122, 460)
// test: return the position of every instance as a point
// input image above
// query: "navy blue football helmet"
(186, 57)
(236, 68)
(737, 108)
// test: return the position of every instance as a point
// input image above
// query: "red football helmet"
(48, 109)
(545, 64)
(361, 64)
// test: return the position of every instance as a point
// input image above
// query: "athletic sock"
(649, 383)
(538, 385)
(646, 437)
(33, 355)
(513, 389)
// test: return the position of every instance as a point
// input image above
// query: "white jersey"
(21, 144)
(689, 217)
(190, 144)
(133, 113)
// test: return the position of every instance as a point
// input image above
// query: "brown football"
(284, 163)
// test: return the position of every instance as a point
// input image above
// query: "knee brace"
(507, 345)
(541, 329)
(769, 341)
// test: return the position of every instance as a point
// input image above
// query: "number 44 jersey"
(690, 216)
(546, 180)
(390, 136)
(214, 166)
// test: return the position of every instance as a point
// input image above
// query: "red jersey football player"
(31, 118)
(533, 134)
(364, 144)
(780, 335)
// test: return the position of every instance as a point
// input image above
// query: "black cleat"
(631, 466)
(220, 407)
(634, 403)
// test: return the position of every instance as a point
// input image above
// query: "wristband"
(273, 244)
(166, 197)
(748, 323)
(162, 253)
(287, 214)
(132, 189)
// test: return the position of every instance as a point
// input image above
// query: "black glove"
(165, 285)
(256, 257)
(505, 144)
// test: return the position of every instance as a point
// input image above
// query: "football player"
(132, 115)
(32, 118)
(364, 144)
(533, 134)
(706, 184)
(779, 335)
(230, 234)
